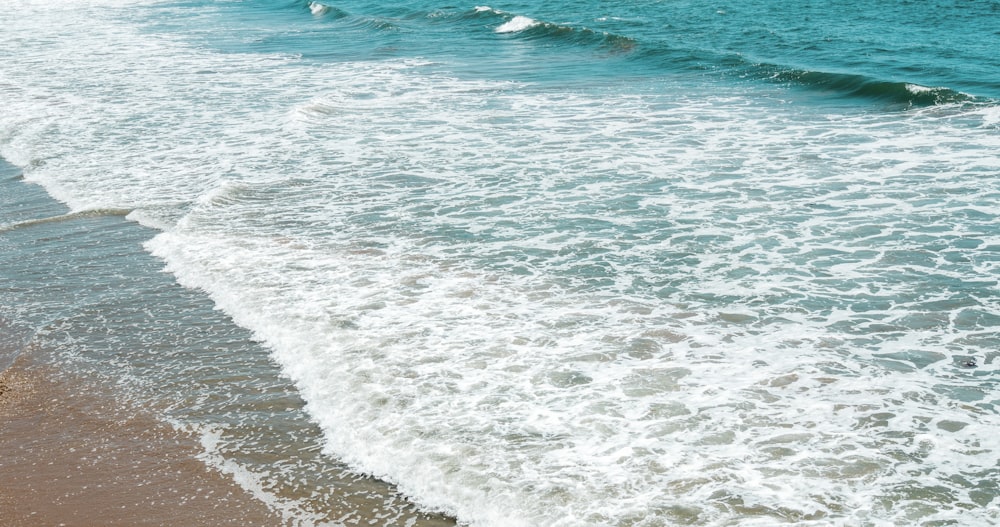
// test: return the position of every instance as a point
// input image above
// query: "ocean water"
(645, 263)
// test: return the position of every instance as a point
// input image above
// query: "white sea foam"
(573, 384)
(917, 89)
(516, 24)
(991, 116)
(292, 513)
(541, 307)
(318, 9)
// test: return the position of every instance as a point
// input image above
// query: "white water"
(518, 23)
(534, 307)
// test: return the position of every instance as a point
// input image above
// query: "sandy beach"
(72, 455)
(100, 351)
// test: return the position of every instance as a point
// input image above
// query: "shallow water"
(81, 295)
(657, 264)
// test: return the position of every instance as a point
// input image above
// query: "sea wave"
(528, 28)
(896, 93)
(326, 11)
(667, 56)
(517, 24)
(86, 213)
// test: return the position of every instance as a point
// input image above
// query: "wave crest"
(517, 24)
(900, 94)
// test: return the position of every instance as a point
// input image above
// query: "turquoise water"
(587, 263)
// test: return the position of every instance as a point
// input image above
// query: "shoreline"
(99, 350)
(71, 454)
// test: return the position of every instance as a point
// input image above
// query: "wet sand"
(98, 347)
(71, 455)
